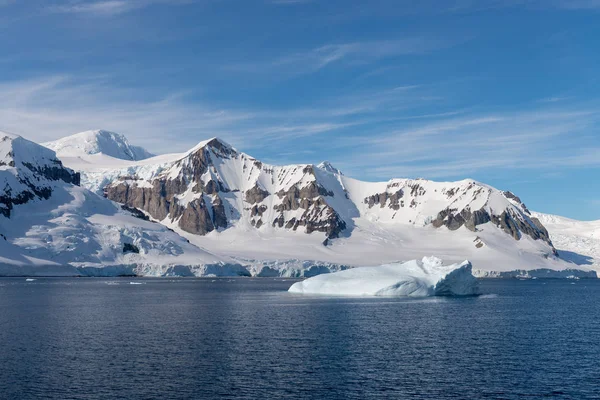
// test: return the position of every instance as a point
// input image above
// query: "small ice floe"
(136, 283)
(29, 280)
(111, 283)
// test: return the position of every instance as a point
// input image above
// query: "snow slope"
(304, 216)
(76, 232)
(98, 142)
(576, 241)
(428, 277)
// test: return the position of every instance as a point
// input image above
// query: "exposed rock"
(417, 190)
(290, 200)
(255, 195)
(153, 199)
(510, 224)
(135, 212)
(279, 221)
(211, 187)
(219, 218)
(478, 242)
(196, 218)
(314, 189)
(257, 210)
(130, 248)
(382, 199)
(510, 195)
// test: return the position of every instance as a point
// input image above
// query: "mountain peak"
(327, 166)
(98, 141)
(216, 144)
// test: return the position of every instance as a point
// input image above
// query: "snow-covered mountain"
(235, 205)
(576, 241)
(51, 226)
(217, 211)
(98, 142)
(28, 172)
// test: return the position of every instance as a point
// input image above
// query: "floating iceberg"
(428, 277)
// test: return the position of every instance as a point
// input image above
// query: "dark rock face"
(195, 218)
(318, 215)
(454, 221)
(130, 248)
(56, 173)
(153, 199)
(8, 201)
(135, 212)
(198, 173)
(511, 196)
(507, 221)
(258, 210)
(395, 200)
(159, 198)
(219, 217)
(36, 187)
(255, 195)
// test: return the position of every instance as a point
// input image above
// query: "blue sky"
(505, 92)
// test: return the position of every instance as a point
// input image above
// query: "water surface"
(96, 338)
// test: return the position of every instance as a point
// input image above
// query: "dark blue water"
(248, 338)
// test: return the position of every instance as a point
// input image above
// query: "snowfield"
(77, 232)
(576, 241)
(428, 277)
(98, 142)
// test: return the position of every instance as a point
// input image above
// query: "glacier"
(427, 277)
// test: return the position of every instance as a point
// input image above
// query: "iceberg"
(428, 277)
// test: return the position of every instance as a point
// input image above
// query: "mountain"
(216, 211)
(51, 226)
(576, 241)
(235, 205)
(98, 142)
(28, 172)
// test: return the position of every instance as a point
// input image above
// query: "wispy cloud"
(554, 99)
(542, 139)
(376, 136)
(48, 108)
(356, 53)
(109, 7)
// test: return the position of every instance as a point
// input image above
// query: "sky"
(504, 92)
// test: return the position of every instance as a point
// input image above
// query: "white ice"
(428, 277)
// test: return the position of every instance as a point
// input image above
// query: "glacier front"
(428, 277)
